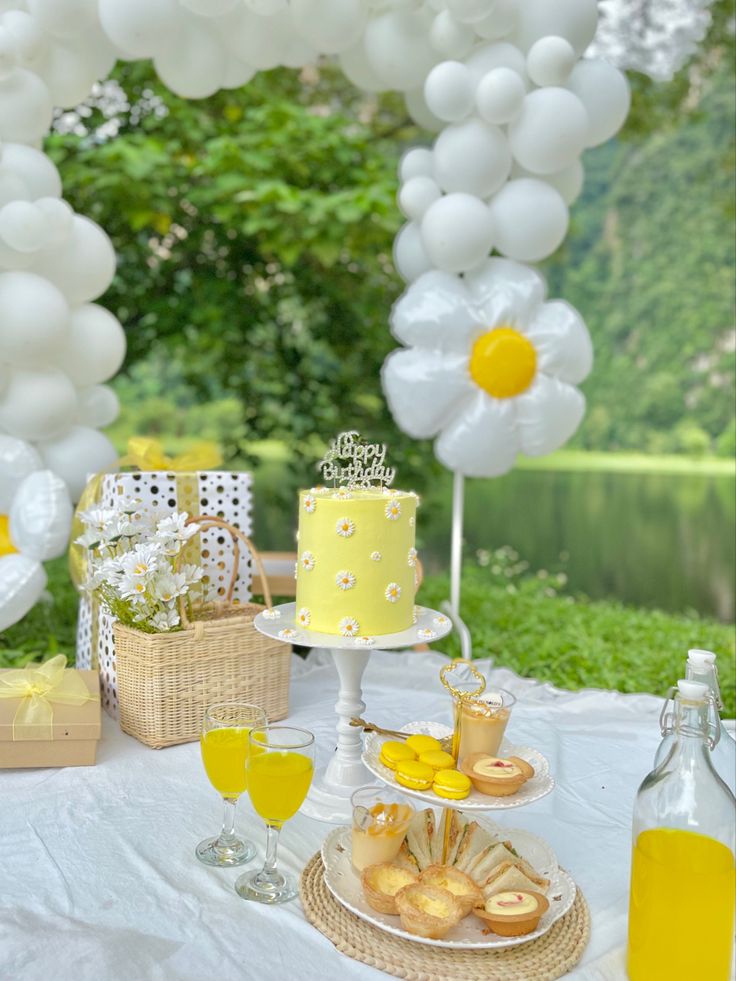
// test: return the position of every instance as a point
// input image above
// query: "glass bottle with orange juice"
(683, 877)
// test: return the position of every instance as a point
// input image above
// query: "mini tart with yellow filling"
(428, 911)
(495, 777)
(513, 914)
(382, 882)
(461, 886)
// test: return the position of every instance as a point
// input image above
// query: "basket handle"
(206, 521)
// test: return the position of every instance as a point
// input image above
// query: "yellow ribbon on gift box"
(39, 687)
(145, 454)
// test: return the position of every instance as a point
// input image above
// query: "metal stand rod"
(452, 609)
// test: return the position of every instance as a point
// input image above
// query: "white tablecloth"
(98, 879)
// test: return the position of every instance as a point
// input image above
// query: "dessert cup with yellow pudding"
(461, 886)
(382, 882)
(513, 914)
(380, 821)
(451, 784)
(428, 911)
(394, 752)
(414, 775)
(496, 777)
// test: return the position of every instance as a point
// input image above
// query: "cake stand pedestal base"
(329, 796)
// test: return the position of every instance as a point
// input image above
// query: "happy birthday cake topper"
(350, 460)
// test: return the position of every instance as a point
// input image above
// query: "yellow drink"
(681, 910)
(225, 754)
(278, 783)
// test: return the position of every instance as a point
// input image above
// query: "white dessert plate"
(539, 786)
(344, 883)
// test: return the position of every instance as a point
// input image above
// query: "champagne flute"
(224, 743)
(280, 768)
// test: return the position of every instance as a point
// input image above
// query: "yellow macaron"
(415, 775)
(423, 744)
(451, 784)
(394, 752)
(438, 759)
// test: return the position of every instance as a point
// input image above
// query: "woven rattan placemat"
(545, 959)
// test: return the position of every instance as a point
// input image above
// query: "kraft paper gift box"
(49, 715)
(223, 494)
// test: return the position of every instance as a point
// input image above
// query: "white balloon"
(500, 95)
(410, 257)
(398, 48)
(12, 188)
(41, 516)
(77, 454)
(550, 61)
(473, 157)
(237, 73)
(71, 67)
(416, 195)
(37, 404)
(34, 319)
(8, 52)
(358, 70)
(33, 168)
(209, 8)
(22, 226)
(25, 107)
(17, 460)
(97, 406)
(499, 55)
(140, 28)
(420, 112)
(500, 22)
(58, 219)
(569, 182)
(530, 219)
(330, 26)
(23, 580)
(266, 7)
(457, 232)
(192, 62)
(417, 162)
(449, 91)
(257, 40)
(296, 50)
(575, 20)
(605, 93)
(550, 132)
(84, 266)
(63, 18)
(26, 32)
(96, 345)
(449, 37)
(468, 11)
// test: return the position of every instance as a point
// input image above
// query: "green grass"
(525, 622)
(577, 460)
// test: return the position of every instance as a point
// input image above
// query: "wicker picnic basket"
(166, 680)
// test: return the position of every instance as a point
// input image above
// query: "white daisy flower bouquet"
(134, 566)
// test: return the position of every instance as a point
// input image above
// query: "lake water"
(658, 540)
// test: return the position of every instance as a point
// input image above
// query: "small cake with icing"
(356, 564)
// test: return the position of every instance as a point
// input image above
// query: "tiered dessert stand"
(333, 785)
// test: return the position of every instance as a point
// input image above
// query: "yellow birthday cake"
(356, 561)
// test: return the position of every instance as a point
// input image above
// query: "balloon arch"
(487, 365)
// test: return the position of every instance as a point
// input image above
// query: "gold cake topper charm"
(469, 684)
(353, 462)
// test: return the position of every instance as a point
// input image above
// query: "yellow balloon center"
(6, 544)
(503, 362)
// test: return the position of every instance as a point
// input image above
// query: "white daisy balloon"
(35, 519)
(489, 367)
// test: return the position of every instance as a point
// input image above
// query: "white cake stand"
(329, 796)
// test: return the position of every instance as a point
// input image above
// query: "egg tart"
(461, 886)
(382, 882)
(493, 776)
(513, 914)
(428, 911)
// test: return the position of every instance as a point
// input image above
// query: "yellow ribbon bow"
(148, 454)
(38, 687)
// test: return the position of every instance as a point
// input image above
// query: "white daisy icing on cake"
(271, 614)
(349, 627)
(415, 614)
(365, 641)
(342, 494)
(288, 633)
(412, 521)
(412, 557)
(307, 561)
(392, 592)
(426, 634)
(345, 579)
(345, 527)
(376, 556)
(310, 503)
(392, 510)
(304, 617)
